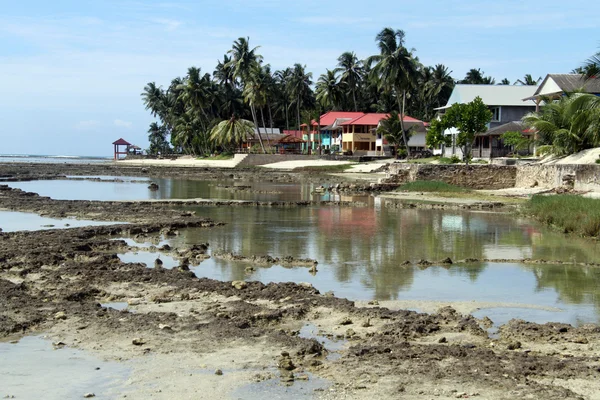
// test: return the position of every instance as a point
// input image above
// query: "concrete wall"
(472, 176)
(587, 177)
(262, 159)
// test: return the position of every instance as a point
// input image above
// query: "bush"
(455, 160)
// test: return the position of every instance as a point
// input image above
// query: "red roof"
(374, 118)
(296, 133)
(330, 117)
(291, 139)
(123, 142)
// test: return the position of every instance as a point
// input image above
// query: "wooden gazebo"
(121, 142)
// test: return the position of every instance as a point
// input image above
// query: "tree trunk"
(401, 106)
(354, 98)
(262, 116)
(257, 129)
(396, 150)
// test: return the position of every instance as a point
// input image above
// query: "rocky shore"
(186, 336)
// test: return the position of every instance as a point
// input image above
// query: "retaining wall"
(262, 159)
(472, 176)
(587, 177)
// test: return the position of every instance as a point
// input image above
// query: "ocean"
(58, 159)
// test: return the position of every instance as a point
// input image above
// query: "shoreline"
(54, 282)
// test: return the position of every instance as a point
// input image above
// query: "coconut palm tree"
(244, 61)
(153, 97)
(232, 132)
(329, 90)
(392, 129)
(157, 136)
(301, 94)
(351, 69)
(528, 80)
(504, 81)
(591, 67)
(476, 77)
(395, 68)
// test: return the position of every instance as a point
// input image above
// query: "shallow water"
(169, 188)
(11, 221)
(360, 251)
(33, 369)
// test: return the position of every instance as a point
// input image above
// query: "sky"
(72, 71)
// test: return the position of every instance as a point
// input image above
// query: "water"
(360, 252)
(52, 159)
(168, 189)
(11, 221)
(33, 369)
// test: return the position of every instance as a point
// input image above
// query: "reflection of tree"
(574, 284)
(364, 244)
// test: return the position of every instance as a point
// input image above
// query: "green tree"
(528, 80)
(244, 61)
(504, 81)
(516, 140)
(157, 136)
(392, 129)
(351, 73)
(232, 133)
(476, 77)
(329, 91)
(435, 135)
(591, 67)
(395, 69)
(301, 94)
(469, 119)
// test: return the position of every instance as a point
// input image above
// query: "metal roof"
(492, 95)
(513, 126)
(560, 83)
(375, 118)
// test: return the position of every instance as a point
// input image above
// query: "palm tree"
(528, 80)
(591, 68)
(567, 125)
(153, 96)
(393, 130)
(329, 90)
(352, 73)
(224, 73)
(157, 136)
(255, 92)
(476, 77)
(301, 94)
(395, 69)
(504, 81)
(244, 61)
(232, 132)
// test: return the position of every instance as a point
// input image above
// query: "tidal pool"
(169, 188)
(360, 252)
(11, 221)
(34, 369)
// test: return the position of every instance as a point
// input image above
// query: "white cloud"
(123, 124)
(89, 124)
(169, 25)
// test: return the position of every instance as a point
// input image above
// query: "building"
(360, 136)
(555, 85)
(506, 104)
(331, 128)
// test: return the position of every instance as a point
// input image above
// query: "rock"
(306, 285)
(138, 341)
(373, 303)
(89, 395)
(580, 340)
(164, 327)
(487, 322)
(346, 321)
(239, 285)
(461, 395)
(183, 267)
(367, 323)
(59, 344)
(158, 263)
(133, 302)
(313, 269)
(250, 269)
(219, 372)
(446, 260)
(513, 345)
(61, 315)
(153, 186)
(443, 340)
(350, 332)
(286, 363)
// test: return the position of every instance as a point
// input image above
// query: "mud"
(54, 281)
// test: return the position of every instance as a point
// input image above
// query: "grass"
(431, 186)
(324, 168)
(570, 213)
(222, 156)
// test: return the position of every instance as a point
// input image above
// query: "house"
(289, 144)
(555, 85)
(331, 128)
(506, 104)
(269, 136)
(359, 135)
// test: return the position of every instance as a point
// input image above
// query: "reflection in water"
(361, 251)
(169, 188)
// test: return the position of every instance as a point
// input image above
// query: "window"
(496, 114)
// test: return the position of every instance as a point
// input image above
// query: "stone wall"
(586, 177)
(473, 176)
(262, 159)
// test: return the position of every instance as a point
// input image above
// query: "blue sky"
(71, 71)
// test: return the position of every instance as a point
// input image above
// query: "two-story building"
(507, 106)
